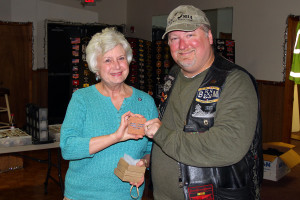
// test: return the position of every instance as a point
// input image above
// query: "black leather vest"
(238, 181)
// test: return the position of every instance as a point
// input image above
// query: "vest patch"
(199, 113)
(208, 94)
(201, 192)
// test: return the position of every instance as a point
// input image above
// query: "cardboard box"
(14, 137)
(279, 164)
(8, 163)
(129, 173)
(54, 132)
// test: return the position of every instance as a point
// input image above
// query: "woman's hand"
(139, 183)
(151, 127)
(122, 133)
(144, 162)
(140, 163)
(101, 142)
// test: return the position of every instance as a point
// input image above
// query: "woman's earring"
(98, 78)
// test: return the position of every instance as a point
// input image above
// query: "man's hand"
(151, 127)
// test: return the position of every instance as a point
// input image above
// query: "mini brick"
(136, 125)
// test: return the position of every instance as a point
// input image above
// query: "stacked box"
(141, 64)
(226, 48)
(168, 61)
(150, 64)
(81, 75)
(129, 173)
(14, 137)
(37, 123)
(162, 62)
(149, 70)
(141, 70)
(132, 78)
(54, 132)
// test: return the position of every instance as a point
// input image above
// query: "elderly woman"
(94, 132)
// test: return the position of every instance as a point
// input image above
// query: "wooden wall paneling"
(16, 66)
(289, 85)
(271, 99)
(40, 87)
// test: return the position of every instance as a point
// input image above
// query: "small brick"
(136, 125)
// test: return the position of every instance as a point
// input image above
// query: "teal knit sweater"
(90, 114)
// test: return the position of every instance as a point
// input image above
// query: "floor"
(28, 182)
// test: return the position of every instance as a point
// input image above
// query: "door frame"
(292, 22)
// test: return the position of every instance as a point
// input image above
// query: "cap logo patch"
(180, 16)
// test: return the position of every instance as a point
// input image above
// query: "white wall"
(109, 11)
(224, 20)
(5, 11)
(37, 11)
(258, 28)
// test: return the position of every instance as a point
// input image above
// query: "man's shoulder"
(222, 63)
(234, 69)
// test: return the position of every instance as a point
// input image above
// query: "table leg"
(59, 171)
(58, 166)
(48, 171)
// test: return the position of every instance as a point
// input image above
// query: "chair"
(4, 92)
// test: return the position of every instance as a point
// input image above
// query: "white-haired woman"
(94, 132)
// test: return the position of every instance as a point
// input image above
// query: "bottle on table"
(12, 121)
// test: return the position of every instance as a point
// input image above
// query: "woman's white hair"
(103, 42)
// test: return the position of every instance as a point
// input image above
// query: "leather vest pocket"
(198, 124)
(243, 193)
(211, 193)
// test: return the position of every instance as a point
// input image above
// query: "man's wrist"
(146, 162)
